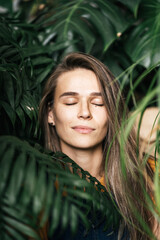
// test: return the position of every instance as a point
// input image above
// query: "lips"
(83, 129)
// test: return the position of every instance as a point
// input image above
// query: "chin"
(84, 146)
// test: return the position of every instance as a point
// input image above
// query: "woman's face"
(79, 114)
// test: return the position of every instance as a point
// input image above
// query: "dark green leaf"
(18, 171)
(66, 210)
(80, 194)
(9, 89)
(32, 51)
(55, 214)
(10, 53)
(12, 232)
(37, 183)
(5, 236)
(74, 218)
(21, 116)
(132, 5)
(106, 31)
(23, 228)
(6, 4)
(146, 46)
(41, 77)
(40, 191)
(27, 103)
(4, 48)
(115, 15)
(29, 182)
(5, 165)
(41, 60)
(18, 86)
(48, 201)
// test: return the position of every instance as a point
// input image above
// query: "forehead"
(78, 80)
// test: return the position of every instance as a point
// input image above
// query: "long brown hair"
(126, 188)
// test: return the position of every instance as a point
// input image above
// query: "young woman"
(81, 113)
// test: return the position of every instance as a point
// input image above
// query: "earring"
(51, 124)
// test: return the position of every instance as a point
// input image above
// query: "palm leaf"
(85, 20)
(145, 37)
(132, 5)
(35, 182)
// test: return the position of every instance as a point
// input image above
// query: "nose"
(84, 111)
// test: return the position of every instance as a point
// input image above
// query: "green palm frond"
(35, 182)
(145, 37)
(85, 21)
(22, 71)
(132, 5)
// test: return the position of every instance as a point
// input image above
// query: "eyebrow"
(96, 94)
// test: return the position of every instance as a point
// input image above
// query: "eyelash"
(69, 104)
(99, 105)
(96, 104)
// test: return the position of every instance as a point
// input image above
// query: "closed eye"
(69, 104)
(98, 104)
(97, 101)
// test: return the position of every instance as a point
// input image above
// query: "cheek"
(105, 121)
(62, 117)
(103, 127)
(102, 118)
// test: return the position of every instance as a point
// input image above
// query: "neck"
(88, 159)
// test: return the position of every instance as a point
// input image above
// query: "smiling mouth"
(83, 129)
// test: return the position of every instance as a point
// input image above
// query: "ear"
(51, 118)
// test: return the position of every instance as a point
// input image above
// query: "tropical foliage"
(34, 184)
(34, 35)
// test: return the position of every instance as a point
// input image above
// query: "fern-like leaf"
(38, 186)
